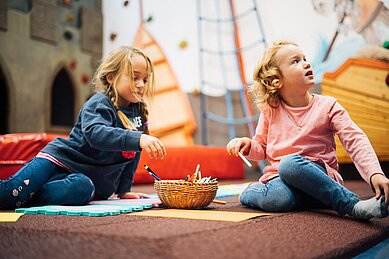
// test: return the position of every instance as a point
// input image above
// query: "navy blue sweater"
(98, 143)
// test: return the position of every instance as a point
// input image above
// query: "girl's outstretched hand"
(153, 146)
(133, 195)
(237, 145)
(381, 186)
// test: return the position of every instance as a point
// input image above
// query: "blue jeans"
(41, 182)
(301, 184)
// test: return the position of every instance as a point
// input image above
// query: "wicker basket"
(185, 195)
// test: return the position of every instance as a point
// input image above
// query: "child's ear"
(110, 78)
(277, 83)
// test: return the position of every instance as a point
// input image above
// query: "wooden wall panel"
(360, 87)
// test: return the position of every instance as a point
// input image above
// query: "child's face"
(127, 92)
(297, 73)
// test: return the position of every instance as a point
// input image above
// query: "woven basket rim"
(183, 182)
(187, 195)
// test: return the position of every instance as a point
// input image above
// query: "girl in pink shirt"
(295, 134)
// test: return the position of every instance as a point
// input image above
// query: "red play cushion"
(17, 149)
(181, 161)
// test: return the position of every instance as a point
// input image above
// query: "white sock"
(372, 208)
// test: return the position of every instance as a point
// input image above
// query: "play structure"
(132, 228)
(222, 70)
(217, 67)
(171, 117)
(173, 123)
(227, 60)
(231, 38)
(361, 87)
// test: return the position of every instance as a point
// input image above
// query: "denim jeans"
(301, 184)
(41, 182)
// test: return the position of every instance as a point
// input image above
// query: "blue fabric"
(41, 182)
(301, 184)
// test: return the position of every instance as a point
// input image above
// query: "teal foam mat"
(95, 208)
(87, 210)
(119, 206)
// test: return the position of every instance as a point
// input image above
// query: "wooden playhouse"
(361, 87)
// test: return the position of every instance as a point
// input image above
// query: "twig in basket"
(196, 173)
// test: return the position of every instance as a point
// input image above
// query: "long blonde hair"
(114, 64)
(266, 86)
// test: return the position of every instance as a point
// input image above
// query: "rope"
(224, 61)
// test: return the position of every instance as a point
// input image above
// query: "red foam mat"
(181, 161)
(17, 149)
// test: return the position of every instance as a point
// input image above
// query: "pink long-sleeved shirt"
(278, 135)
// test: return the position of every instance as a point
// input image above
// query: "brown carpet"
(304, 234)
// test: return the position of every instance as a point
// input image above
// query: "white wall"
(176, 20)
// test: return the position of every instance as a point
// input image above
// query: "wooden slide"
(171, 118)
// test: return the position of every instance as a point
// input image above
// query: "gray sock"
(372, 208)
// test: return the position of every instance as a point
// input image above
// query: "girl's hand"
(153, 146)
(133, 195)
(381, 186)
(237, 145)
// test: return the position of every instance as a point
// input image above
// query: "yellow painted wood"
(176, 138)
(338, 91)
(170, 114)
(359, 86)
(365, 80)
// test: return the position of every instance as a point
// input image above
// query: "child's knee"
(288, 166)
(278, 199)
(289, 161)
(244, 198)
(267, 198)
(248, 195)
(86, 188)
(76, 189)
(271, 203)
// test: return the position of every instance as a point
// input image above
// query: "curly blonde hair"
(265, 89)
(114, 64)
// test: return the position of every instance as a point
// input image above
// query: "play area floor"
(301, 234)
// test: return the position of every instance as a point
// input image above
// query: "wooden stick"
(219, 202)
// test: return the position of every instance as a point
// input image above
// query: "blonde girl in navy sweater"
(101, 155)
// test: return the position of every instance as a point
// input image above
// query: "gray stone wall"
(30, 66)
